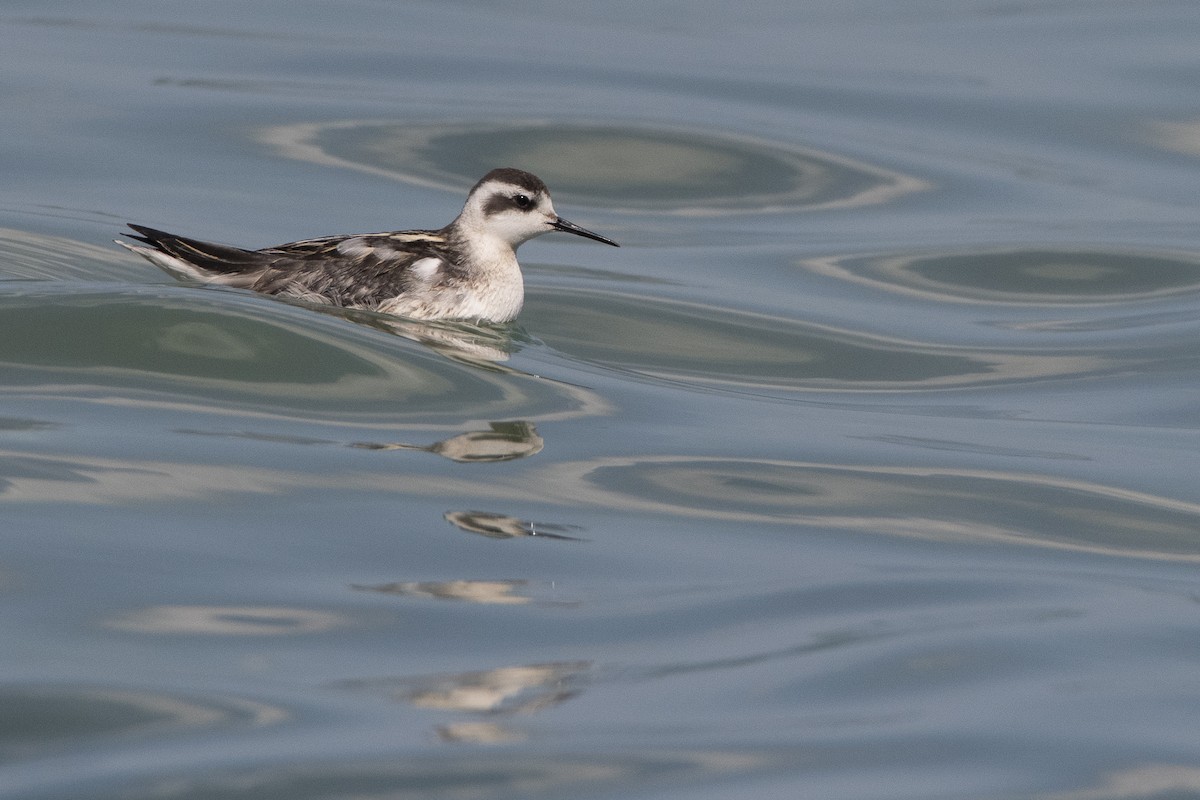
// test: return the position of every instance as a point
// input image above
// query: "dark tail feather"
(205, 255)
(145, 235)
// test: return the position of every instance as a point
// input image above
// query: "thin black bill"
(569, 227)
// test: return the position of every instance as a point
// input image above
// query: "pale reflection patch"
(203, 340)
(503, 441)
(510, 690)
(483, 592)
(227, 620)
(497, 693)
(1181, 136)
(479, 733)
(1135, 783)
(521, 689)
(504, 526)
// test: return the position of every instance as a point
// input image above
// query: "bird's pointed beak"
(561, 224)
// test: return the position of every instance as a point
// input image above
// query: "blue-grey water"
(866, 468)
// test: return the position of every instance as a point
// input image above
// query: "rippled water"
(865, 468)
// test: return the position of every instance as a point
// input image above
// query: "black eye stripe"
(501, 202)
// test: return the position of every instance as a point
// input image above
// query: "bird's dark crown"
(516, 177)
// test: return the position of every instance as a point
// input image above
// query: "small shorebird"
(467, 270)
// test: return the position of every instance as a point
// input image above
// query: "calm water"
(866, 468)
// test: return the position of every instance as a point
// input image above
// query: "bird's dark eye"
(522, 201)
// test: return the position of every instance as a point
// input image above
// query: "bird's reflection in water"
(502, 526)
(497, 693)
(480, 345)
(503, 441)
(485, 592)
(523, 689)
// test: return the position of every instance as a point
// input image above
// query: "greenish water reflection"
(620, 167)
(229, 352)
(931, 503)
(1026, 276)
(709, 344)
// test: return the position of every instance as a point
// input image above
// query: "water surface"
(865, 467)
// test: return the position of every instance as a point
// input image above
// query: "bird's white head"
(513, 206)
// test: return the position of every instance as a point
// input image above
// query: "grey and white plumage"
(466, 270)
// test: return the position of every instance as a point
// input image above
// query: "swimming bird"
(467, 270)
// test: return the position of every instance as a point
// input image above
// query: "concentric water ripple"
(227, 352)
(723, 346)
(620, 168)
(40, 719)
(1059, 276)
(32, 256)
(931, 503)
